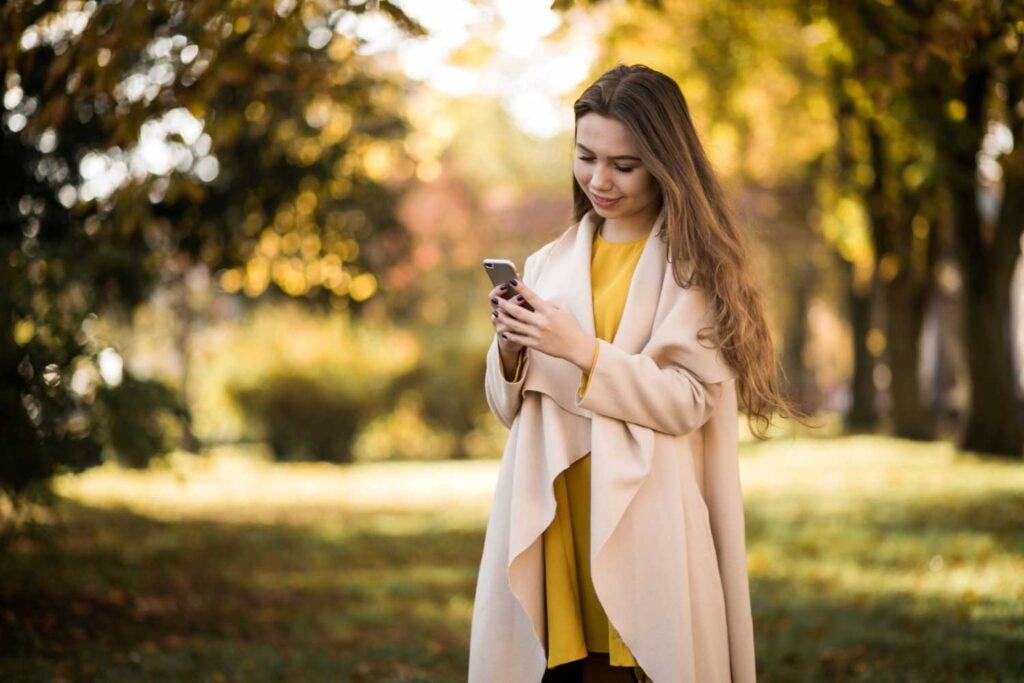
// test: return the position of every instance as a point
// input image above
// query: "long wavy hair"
(701, 233)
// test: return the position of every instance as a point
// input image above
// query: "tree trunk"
(799, 381)
(995, 418)
(905, 305)
(863, 413)
(904, 294)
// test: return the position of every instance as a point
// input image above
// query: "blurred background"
(243, 321)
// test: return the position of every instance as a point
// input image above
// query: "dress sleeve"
(518, 375)
(585, 379)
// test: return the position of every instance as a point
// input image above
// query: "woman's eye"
(617, 168)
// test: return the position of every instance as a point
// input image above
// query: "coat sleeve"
(632, 387)
(504, 396)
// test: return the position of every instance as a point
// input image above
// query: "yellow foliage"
(363, 286)
(270, 243)
(338, 125)
(876, 342)
(253, 223)
(889, 267)
(257, 276)
(231, 280)
(24, 330)
(255, 112)
(351, 249)
(920, 226)
(285, 131)
(723, 147)
(314, 273)
(956, 110)
(310, 245)
(404, 434)
(290, 243)
(845, 225)
(378, 159)
(305, 203)
(285, 217)
(340, 187)
(318, 111)
(331, 262)
(340, 48)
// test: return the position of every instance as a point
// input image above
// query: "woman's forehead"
(604, 136)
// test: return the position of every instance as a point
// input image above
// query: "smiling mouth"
(605, 199)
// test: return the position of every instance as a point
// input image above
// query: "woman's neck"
(628, 228)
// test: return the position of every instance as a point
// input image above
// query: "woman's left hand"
(549, 327)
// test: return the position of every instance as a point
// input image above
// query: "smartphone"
(500, 271)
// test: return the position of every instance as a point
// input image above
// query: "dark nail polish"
(513, 282)
(494, 313)
(520, 298)
(503, 336)
(503, 287)
(494, 301)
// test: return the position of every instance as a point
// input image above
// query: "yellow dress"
(577, 623)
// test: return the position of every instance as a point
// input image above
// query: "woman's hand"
(548, 327)
(506, 347)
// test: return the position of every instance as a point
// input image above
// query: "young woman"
(615, 546)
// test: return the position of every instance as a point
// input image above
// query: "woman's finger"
(528, 295)
(514, 309)
(513, 337)
(500, 321)
(497, 293)
(516, 325)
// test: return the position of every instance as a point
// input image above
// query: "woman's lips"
(604, 203)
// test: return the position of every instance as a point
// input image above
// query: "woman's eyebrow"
(621, 156)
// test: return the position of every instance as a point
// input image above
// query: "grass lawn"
(870, 559)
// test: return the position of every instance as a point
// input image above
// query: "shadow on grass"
(114, 595)
(814, 629)
(122, 596)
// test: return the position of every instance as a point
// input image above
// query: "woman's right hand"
(507, 347)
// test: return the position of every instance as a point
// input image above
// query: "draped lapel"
(577, 284)
(642, 298)
(634, 328)
(565, 279)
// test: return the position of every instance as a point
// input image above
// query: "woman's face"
(606, 165)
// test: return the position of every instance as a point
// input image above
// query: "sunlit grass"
(870, 559)
(246, 484)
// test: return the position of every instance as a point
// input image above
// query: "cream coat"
(659, 417)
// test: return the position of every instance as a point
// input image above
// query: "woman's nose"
(600, 181)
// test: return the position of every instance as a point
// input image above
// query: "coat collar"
(564, 279)
(642, 298)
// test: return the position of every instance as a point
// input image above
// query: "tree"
(251, 138)
(960, 69)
